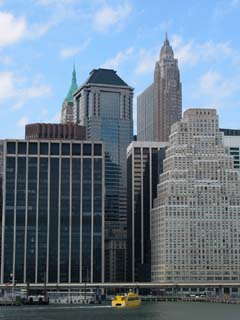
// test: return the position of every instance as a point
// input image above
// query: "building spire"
(73, 87)
(166, 37)
(74, 77)
(166, 50)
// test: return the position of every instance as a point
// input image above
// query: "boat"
(35, 299)
(72, 297)
(128, 300)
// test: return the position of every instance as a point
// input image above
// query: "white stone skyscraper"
(195, 223)
(160, 105)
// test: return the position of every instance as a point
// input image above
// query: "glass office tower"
(104, 105)
(144, 165)
(53, 211)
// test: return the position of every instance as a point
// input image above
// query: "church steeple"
(73, 87)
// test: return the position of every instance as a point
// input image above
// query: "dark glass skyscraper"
(104, 105)
(144, 164)
(53, 211)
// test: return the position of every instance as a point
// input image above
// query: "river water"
(148, 311)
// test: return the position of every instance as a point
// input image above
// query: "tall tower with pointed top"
(167, 93)
(160, 105)
(67, 106)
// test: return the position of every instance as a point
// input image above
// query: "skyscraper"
(67, 106)
(194, 229)
(53, 211)
(104, 105)
(160, 105)
(144, 164)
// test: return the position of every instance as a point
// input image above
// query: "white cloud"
(11, 88)
(6, 60)
(57, 12)
(165, 25)
(37, 30)
(12, 29)
(69, 52)
(191, 52)
(218, 87)
(22, 121)
(146, 60)
(54, 2)
(235, 2)
(224, 8)
(108, 16)
(121, 57)
(6, 85)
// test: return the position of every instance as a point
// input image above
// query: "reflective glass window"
(97, 149)
(42, 218)
(87, 149)
(54, 149)
(31, 227)
(33, 148)
(43, 148)
(76, 149)
(65, 149)
(137, 150)
(22, 147)
(53, 223)
(9, 217)
(64, 219)
(11, 147)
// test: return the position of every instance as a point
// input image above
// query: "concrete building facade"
(195, 229)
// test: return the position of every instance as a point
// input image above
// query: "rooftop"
(105, 76)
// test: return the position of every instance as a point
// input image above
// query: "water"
(148, 311)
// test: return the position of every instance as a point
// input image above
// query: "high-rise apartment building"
(104, 105)
(53, 211)
(160, 105)
(194, 228)
(144, 164)
(67, 106)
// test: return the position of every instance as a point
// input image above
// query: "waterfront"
(148, 311)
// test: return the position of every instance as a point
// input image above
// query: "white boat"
(72, 297)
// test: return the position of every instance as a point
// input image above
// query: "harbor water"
(148, 311)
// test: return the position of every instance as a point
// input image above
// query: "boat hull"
(130, 300)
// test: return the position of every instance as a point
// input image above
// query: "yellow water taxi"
(128, 300)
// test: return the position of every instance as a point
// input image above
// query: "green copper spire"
(73, 87)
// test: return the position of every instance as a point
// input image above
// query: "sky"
(40, 40)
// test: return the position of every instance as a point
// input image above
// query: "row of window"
(54, 148)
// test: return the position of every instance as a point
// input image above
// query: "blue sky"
(41, 39)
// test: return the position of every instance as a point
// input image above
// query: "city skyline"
(45, 37)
